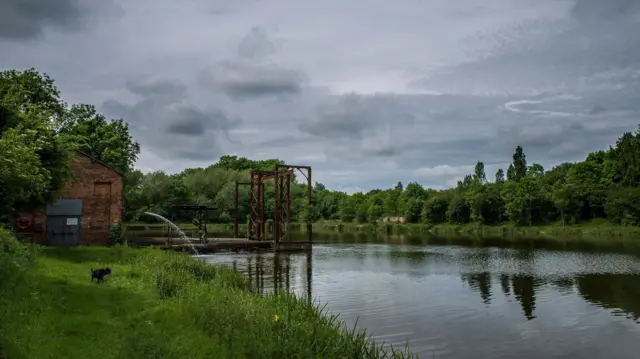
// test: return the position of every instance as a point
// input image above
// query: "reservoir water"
(467, 302)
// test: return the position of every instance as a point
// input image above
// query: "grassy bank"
(155, 305)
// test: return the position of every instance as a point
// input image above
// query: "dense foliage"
(37, 133)
(37, 130)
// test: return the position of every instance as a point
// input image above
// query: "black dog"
(99, 274)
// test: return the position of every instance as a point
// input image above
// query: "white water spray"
(176, 229)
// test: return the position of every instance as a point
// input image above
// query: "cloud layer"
(410, 91)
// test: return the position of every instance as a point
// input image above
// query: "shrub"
(15, 257)
(116, 234)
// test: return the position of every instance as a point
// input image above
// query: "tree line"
(38, 130)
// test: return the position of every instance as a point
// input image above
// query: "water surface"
(468, 302)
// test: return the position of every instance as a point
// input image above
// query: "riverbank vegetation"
(37, 129)
(156, 304)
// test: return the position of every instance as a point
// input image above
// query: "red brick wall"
(100, 189)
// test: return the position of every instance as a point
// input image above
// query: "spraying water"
(176, 229)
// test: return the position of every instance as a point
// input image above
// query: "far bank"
(591, 233)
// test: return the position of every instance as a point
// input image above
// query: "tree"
(24, 91)
(399, 187)
(29, 107)
(108, 141)
(535, 171)
(347, 209)
(435, 210)
(458, 211)
(561, 196)
(479, 174)
(19, 165)
(499, 176)
(376, 207)
(511, 173)
(519, 164)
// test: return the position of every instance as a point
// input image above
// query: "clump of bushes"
(116, 234)
(15, 259)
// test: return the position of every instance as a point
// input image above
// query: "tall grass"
(156, 304)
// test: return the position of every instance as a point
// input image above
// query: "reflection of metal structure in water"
(198, 218)
(282, 176)
(282, 273)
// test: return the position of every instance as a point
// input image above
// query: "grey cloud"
(242, 79)
(194, 128)
(384, 151)
(154, 87)
(595, 11)
(598, 37)
(353, 116)
(251, 74)
(28, 19)
(256, 44)
(166, 123)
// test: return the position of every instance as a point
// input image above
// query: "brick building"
(89, 203)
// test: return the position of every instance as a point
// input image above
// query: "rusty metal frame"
(287, 210)
(282, 176)
(256, 207)
(237, 214)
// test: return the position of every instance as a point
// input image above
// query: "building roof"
(100, 162)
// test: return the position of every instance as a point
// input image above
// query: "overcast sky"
(367, 92)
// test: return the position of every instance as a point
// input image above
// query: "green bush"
(15, 259)
(116, 234)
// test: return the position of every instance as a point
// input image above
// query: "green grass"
(156, 304)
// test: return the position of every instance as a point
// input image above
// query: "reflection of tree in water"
(612, 291)
(478, 260)
(564, 284)
(524, 288)
(505, 285)
(482, 283)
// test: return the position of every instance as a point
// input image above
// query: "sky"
(368, 93)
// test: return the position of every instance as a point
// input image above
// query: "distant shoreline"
(593, 233)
